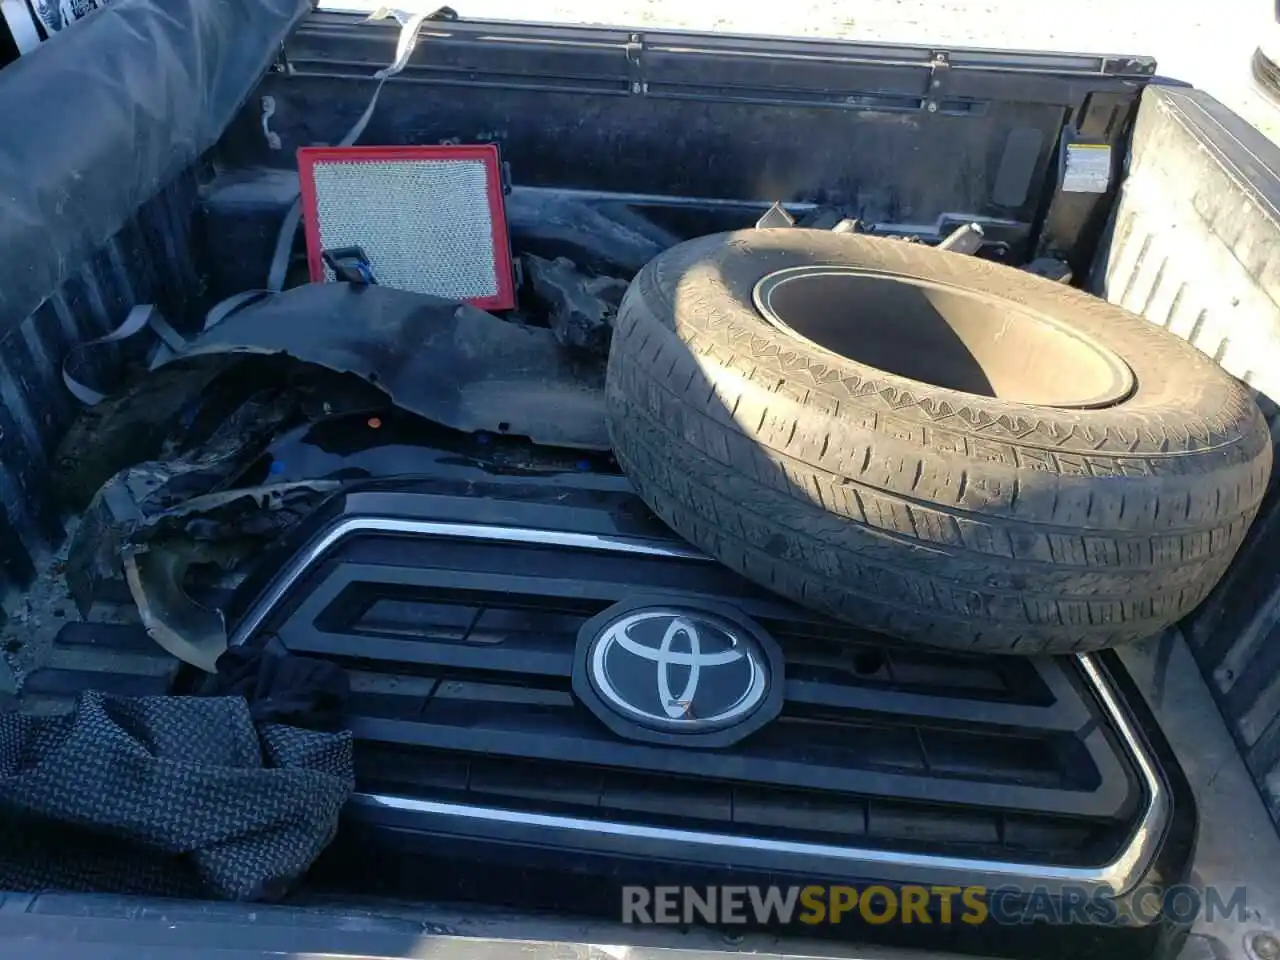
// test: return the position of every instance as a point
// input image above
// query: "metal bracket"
(966, 239)
(775, 217)
(635, 66)
(281, 63)
(939, 71)
(269, 111)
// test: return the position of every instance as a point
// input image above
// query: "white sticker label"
(1088, 168)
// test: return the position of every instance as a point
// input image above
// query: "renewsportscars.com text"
(913, 904)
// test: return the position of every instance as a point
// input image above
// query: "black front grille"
(461, 651)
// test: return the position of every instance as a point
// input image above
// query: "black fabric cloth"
(169, 796)
(281, 687)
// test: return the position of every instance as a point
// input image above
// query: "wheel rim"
(944, 336)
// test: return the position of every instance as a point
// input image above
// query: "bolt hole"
(868, 662)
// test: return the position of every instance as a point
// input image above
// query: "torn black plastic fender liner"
(446, 361)
(111, 112)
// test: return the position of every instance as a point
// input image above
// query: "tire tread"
(850, 506)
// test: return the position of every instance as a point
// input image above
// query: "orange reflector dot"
(375, 422)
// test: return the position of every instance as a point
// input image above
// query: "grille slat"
(857, 759)
(790, 814)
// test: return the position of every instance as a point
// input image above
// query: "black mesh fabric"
(170, 796)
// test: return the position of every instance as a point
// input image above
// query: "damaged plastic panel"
(446, 361)
(220, 528)
(208, 460)
(185, 432)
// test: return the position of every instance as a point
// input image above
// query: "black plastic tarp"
(102, 116)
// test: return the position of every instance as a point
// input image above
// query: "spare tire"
(930, 445)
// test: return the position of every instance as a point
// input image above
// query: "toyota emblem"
(677, 673)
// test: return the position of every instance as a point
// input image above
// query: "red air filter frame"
(427, 230)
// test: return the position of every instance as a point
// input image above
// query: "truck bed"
(1186, 238)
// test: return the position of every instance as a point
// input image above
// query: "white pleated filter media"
(425, 225)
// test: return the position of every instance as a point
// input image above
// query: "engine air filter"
(430, 219)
